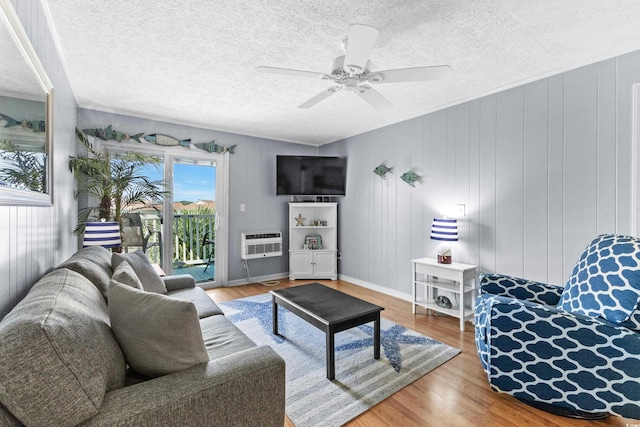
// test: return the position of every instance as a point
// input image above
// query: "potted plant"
(115, 181)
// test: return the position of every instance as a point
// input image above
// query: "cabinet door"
(301, 263)
(325, 264)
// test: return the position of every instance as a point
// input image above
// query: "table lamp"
(444, 230)
(102, 233)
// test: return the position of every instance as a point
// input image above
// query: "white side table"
(428, 275)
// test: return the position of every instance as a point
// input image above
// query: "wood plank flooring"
(454, 394)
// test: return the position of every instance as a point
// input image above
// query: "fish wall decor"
(34, 125)
(410, 177)
(382, 170)
(212, 147)
(167, 140)
(108, 134)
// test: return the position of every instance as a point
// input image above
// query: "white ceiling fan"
(352, 71)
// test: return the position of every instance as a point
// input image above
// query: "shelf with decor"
(429, 276)
(313, 240)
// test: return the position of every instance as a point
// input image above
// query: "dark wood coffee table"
(330, 311)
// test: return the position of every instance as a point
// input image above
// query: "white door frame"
(222, 209)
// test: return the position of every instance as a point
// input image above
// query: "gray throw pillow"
(158, 334)
(150, 280)
(124, 274)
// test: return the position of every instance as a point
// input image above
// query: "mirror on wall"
(25, 118)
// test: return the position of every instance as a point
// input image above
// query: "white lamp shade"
(106, 234)
(444, 229)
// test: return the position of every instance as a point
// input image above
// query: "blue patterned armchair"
(573, 350)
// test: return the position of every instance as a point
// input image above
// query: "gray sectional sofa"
(61, 363)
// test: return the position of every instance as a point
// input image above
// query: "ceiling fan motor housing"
(337, 67)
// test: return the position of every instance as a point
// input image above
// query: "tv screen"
(311, 176)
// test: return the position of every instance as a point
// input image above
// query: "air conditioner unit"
(261, 245)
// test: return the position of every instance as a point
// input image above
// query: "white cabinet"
(431, 278)
(313, 241)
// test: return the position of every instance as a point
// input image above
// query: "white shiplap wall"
(34, 239)
(542, 169)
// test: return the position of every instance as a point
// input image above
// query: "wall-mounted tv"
(311, 176)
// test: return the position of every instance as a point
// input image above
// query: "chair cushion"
(94, 263)
(150, 280)
(124, 274)
(606, 280)
(158, 334)
(59, 356)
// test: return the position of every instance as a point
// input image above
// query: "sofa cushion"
(204, 304)
(124, 274)
(158, 334)
(94, 263)
(59, 356)
(222, 338)
(150, 280)
(606, 280)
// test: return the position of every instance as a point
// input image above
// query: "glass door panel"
(142, 220)
(194, 211)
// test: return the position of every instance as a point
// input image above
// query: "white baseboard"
(377, 288)
(357, 282)
(258, 279)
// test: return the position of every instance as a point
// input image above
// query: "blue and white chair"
(573, 350)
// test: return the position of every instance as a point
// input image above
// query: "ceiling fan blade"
(319, 97)
(417, 74)
(359, 46)
(290, 72)
(374, 98)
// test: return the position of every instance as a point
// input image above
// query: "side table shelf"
(429, 276)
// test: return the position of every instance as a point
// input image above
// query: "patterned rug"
(361, 381)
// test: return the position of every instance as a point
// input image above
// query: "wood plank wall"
(542, 169)
(35, 239)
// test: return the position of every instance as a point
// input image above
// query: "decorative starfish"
(390, 341)
(262, 312)
(300, 220)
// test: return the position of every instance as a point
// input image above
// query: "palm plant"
(116, 182)
(22, 169)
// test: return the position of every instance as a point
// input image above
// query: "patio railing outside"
(188, 234)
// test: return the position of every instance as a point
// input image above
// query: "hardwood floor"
(454, 394)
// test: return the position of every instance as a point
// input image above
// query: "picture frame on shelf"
(313, 241)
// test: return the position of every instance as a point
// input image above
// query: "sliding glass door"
(186, 234)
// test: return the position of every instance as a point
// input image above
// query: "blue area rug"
(361, 381)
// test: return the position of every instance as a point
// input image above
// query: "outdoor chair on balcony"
(573, 350)
(135, 233)
(211, 244)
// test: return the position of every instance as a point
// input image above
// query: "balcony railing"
(188, 235)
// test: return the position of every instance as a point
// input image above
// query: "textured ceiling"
(194, 61)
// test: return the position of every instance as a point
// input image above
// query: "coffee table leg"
(376, 337)
(331, 363)
(274, 315)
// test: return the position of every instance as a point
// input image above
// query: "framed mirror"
(26, 118)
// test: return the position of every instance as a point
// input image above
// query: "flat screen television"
(311, 176)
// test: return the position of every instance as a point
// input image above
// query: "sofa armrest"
(246, 388)
(521, 289)
(179, 281)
